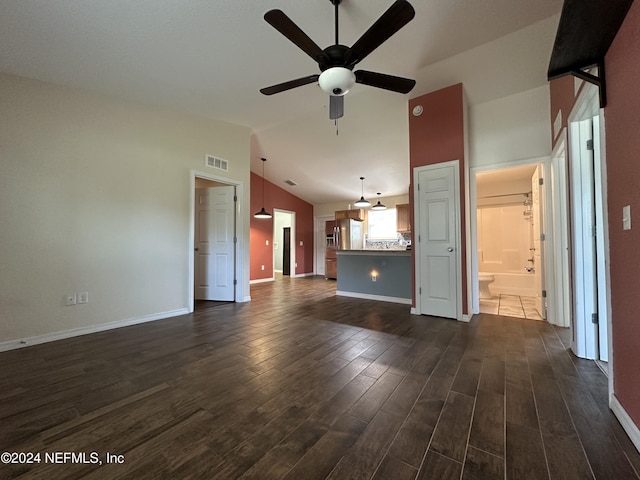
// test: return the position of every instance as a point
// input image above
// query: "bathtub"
(522, 284)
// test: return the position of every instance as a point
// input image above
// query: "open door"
(537, 254)
(214, 248)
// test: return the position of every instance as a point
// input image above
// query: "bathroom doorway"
(509, 239)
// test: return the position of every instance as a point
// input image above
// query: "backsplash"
(400, 243)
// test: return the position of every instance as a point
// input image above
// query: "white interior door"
(538, 243)
(215, 247)
(601, 225)
(438, 203)
(584, 228)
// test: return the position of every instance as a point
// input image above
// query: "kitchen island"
(383, 274)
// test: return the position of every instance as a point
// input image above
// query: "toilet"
(484, 279)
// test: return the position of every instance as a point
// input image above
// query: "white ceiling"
(211, 57)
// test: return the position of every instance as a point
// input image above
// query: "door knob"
(196, 249)
(450, 249)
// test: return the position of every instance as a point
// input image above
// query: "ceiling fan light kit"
(337, 81)
(336, 62)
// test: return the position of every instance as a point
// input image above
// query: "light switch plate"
(626, 217)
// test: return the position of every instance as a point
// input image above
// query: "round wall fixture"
(417, 110)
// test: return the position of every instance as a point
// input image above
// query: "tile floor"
(510, 306)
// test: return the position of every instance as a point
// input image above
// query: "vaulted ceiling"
(211, 57)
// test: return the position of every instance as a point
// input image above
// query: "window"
(382, 224)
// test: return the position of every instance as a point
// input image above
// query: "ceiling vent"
(215, 162)
(290, 182)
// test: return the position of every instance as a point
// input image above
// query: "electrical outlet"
(267, 241)
(83, 297)
(70, 299)
(262, 267)
(301, 243)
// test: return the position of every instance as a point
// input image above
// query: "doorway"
(284, 261)
(510, 240)
(589, 224)
(439, 265)
(218, 231)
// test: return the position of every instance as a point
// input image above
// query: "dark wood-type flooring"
(301, 384)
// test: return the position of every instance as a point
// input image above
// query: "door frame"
(587, 106)
(239, 226)
(562, 307)
(546, 227)
(458, 235)
(276, 235)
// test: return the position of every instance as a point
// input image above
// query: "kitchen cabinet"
(355, 213)
(331, 264)
(328, 227)
(403, 219)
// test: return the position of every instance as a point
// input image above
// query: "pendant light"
(362, 202)
(379, 206)
(262, 213)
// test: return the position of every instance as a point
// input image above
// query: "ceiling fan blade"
(336, 107)
(396, 17)
(281, 87)
(278, 20)
(382, 80)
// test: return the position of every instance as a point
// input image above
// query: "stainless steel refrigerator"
(349, 234)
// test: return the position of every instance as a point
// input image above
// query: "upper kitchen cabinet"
(403, 220)
(355, 214)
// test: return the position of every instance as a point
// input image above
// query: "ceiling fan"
(337, 61)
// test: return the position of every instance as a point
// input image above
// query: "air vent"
(215, 162)
(290, 182)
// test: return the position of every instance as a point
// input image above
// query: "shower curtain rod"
(526, 194)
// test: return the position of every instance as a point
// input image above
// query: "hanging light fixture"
(262, 213)
(379, 206)
(362, 202)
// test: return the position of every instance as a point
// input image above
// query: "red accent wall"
(622, 122)
(262, 229)
(437, 136)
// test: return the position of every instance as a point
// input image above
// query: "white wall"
(95, 196)
(512, 128)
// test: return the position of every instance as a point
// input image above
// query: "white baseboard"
(414, 311)
(76, 332)
(262, 280)
(625, 420)
(466, 317)
(310, 274)
(380, 298)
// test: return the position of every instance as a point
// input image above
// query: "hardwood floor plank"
(487, 428)
(480, 465)
(525, 458)
(452, 431)
(440, 467)
(393, 469)
(366, 454)
(412, 441)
